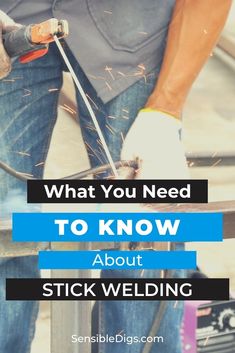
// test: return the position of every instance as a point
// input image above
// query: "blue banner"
(123, 260)
(98, 227)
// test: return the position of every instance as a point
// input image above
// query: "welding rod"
(88, 105)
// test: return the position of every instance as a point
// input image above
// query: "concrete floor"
(209, 125)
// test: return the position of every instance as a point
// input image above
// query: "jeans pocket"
(128, 25)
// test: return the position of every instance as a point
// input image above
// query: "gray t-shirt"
(126, 37)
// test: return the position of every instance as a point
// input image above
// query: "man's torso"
(124, 35)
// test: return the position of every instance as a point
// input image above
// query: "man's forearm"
(193, 32)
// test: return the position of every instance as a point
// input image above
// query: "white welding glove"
(6, 24)
(154, 141)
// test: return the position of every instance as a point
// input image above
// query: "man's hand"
(154, 141)
(6, 24)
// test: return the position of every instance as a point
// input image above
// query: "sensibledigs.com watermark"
(119, 338)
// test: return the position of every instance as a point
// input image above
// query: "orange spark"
(90, 128)
(206, 341)
(108, 85)
(142, 67)
(92, 149)
(121, 73)
(96, 106)
(72, 110)
(9, 80)
(27, 92)
(23, 153)
(99, 142)
(110, 128)
(125, 111)
(53, 89)
(108, 12)
(216, 163)
(119, 333)
(109, 70)
(68, 109)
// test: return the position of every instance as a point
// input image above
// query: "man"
(116, 49)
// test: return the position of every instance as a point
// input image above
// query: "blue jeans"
(28, 100)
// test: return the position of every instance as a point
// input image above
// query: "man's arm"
(193, 32)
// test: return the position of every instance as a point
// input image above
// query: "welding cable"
(78, 176)
(14, 173)
(160, 313)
